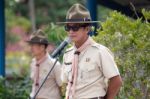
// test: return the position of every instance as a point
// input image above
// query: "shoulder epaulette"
(69, 49)
(96, 45)
(102, 47)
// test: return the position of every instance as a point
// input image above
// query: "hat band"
(77, 20)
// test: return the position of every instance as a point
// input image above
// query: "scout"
(88, 68)
(40, 66)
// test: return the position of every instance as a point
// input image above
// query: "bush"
(55, 33)
(15, 88)
(129, 40)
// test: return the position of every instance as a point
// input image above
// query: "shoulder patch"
(99, 46)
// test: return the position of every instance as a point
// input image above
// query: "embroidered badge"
(87, 60)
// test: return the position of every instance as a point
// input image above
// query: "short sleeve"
(57, 73)
(108, 65)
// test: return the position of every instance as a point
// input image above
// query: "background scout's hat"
(78, 14)
(38, 37)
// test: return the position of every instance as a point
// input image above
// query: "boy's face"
(37, 49)
(76, 31)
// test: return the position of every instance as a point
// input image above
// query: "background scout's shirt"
(50, 89)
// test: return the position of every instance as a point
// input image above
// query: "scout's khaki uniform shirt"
(50, 89)
(96, 66)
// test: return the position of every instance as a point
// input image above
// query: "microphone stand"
(44, 80)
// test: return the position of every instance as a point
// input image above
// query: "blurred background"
(124, 28)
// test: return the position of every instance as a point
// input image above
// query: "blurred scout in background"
(40, 66)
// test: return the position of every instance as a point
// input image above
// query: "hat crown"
(38, 37)
(39, 33)
(78, 14)
(78, 11)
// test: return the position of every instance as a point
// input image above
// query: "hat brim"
(77, 22)
(34, 42)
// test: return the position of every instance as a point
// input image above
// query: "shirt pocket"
(87, 71)
(68, 70)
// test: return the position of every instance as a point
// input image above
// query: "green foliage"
(18, 64)
(52, 11)
(146, 14)
(55, 33)
(46, 11)
(13, 21)
(15, 88)
(103, 12)
(129, 40)
(19, 7)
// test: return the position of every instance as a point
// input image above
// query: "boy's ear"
(88, 28)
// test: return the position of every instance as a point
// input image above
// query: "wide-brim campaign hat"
(38, 37)
(78, 14)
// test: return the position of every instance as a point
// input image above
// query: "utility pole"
(32, 14)
(92, 7)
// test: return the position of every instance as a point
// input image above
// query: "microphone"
(60, 48)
